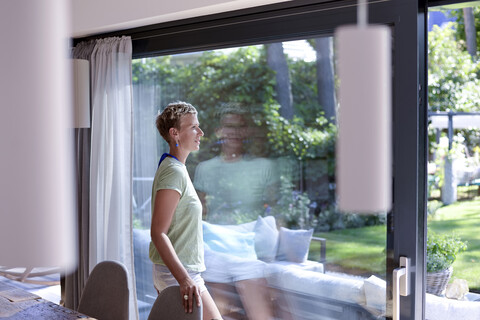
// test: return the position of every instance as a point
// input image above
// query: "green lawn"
(462, 218)
(361, 251)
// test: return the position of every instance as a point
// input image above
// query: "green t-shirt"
(235, 188)
(185, 231)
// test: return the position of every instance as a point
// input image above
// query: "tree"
(461, 32)
(470, 32)
(277, 61)
(325, 77)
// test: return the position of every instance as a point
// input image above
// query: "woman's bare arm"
(166, 201)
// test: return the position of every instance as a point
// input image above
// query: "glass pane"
(454, 165)
(265, 173)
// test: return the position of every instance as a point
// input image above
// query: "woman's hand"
(188, 289)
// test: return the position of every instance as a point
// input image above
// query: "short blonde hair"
(170, 117)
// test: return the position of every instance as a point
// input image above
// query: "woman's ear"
(173, 132)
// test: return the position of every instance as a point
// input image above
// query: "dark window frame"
(305, 18)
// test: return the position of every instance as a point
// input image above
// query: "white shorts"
(226, 268)
(163, 278)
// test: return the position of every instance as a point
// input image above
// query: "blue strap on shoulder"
(164, 156)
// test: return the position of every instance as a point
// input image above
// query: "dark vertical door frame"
(306, 18)
(422, 38)
(407, 220)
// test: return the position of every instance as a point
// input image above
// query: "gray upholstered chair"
(168, 306)
(105, 296)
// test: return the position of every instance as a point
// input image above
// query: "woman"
(177, 240)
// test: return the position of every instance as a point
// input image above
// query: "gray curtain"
(73, 284)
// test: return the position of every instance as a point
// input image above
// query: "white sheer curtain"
(111, 157)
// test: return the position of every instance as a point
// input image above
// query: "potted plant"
(442, 252)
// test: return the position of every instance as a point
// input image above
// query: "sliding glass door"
(452, 282)
(265, 84)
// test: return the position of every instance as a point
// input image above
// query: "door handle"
(401, 285)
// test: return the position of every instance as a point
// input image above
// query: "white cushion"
(294, 245)
(266, 238)
(226, 240)
(318, 284)
(279, 266)
(375, 293)
(441, 308)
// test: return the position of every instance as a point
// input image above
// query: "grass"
(463, 219)
(361, 251)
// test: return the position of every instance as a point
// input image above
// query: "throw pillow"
(225, 240)
(266, 238)
(375, 292)
(293, 245)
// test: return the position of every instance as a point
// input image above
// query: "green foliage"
(329, 218)
(293, 207)
(452, 75)
(460, 31)
(442, 251)
(219, 77)
(292, 138)
(160, 74)
(304, 90)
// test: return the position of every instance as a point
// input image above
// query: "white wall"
(94, 16)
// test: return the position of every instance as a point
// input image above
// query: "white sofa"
(238, 252)
(312, 295)
(300, 287)
(250, 251)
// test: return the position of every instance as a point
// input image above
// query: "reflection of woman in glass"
(177, 239)
(235, 186)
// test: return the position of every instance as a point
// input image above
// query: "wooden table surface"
(18, 304)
